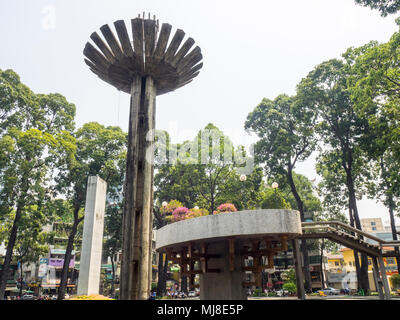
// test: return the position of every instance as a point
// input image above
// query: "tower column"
(137, 218)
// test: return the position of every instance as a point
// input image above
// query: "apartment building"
(372, 225)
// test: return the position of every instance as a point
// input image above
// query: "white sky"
(251, 49)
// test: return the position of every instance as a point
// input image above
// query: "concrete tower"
(143, 67)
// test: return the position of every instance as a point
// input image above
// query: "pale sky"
(251, 50)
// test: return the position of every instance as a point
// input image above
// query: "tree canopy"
(35, 142)
(385, 7)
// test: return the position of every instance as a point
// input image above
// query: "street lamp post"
(243, 178)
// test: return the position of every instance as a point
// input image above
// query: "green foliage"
(304, 188)
(342, 162)
(385, 7)
(285, 130)
(257, 292)
(395, 281)
(273, 199)
(194, 213)
(100, 151)
(289, 279)
(285, 127)
(205, 173)
(289, 275)
(112, 230)
(170, 207)
(35, 142)
(290, 287)
(374, 86)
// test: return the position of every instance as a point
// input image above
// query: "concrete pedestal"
(226, 284)
(90, 265)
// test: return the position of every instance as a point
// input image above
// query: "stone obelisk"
(92, 243)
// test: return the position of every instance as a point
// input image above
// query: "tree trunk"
(355, 253)
(9, 252)
(286, 261)
(113, 274)
(20, 279)
(67, 256)
(212, 205)
(304, 251)
(391, 204)
(162, 281)
(321, 264)
(394, 231)
(363, 280)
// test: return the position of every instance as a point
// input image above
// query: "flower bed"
(174, 211)
(225, 208)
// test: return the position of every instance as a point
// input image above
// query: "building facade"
(372, 225)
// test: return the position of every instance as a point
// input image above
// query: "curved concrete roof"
(248, 223)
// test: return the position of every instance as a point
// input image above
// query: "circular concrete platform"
(246, 224)
(221, 245)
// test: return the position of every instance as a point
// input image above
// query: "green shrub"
(290, 287)
(395, 281)
(257, 293)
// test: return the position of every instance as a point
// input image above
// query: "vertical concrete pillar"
(130, 226)
(92, 243)
(138, 197)
(225, 284)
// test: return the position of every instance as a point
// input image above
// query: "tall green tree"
(206, 172)
(202, 172)
(375, 85)
(341, 130)
(305, 188)
(32, 242)
(217, 171)
(100, 151)
(35, 141)
(285, 130)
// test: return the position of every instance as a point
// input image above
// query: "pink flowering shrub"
(225, 207)
(179, 214)
(175, 211)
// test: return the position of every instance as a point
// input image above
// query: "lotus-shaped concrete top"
(148, 54)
